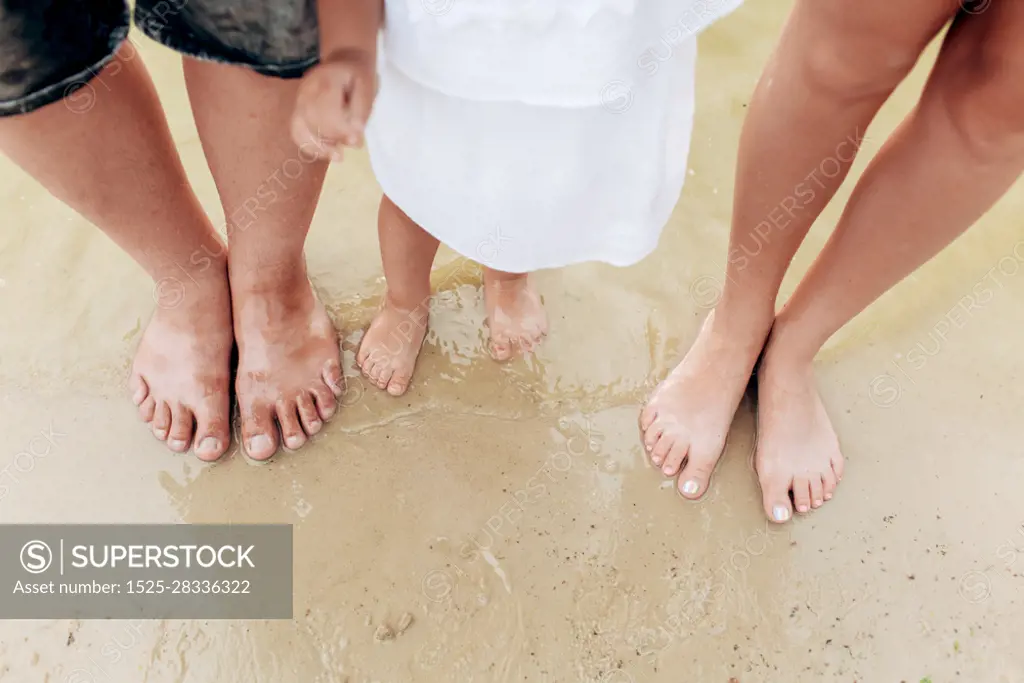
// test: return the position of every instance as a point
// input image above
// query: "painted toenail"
(210, 444)
(259, 443)
(780, 513)
(691, 487)
(177, 444)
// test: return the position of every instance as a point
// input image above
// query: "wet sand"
(599, 572)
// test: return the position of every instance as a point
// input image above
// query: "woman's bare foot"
(797, 449)
(515, 313)
(181, 372)
(289, 360)
(388, 352)
(686, 420)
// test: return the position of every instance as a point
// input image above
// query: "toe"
(376, 367)
(139, 389)
(334, 378)
(651, 436)
(695, 477)
(385, 376)
(161, 421)
(501, 348)
(676, 454)
(147, 409)
(308, 414)
(838, 465)
(647, 416)
(802, 494)
(258, 432)
(817, 491)
(775, 494)
(399, 383)
(324, 397)
(661, 449)
(828, 483)
(212, 428)
(291, 428)
(179, 437)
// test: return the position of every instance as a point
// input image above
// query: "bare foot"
(289, 361)
(388, 352)
(686, 420)
(797, 448)
(515, 314)
(181, 373)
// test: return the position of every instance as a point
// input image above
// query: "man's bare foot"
(289, 360)
(388, 352)
(181, 373)
(797, 448)
(686, 420)
(515, 314)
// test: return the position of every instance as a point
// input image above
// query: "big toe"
(696, 475)
(775, 495)
(212, 433)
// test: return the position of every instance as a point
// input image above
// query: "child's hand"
(334, 102)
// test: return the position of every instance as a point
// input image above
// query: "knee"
(986, 107)
(854, 72)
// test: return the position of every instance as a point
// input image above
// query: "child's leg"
(388, 353)
(515, 313)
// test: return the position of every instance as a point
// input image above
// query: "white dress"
(529, 134)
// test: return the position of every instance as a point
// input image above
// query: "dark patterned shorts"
(49, 48)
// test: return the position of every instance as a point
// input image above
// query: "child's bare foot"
(388, 352)
(181, 372)
(797, 448)
(686, 420)
(515, 313)
(289, 360)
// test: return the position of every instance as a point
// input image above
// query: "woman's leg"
(516, 319)
(835, 65)
(953, 157)
(388, 352)
(289, 367)
(114, 162)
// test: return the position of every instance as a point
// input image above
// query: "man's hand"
(334, 102)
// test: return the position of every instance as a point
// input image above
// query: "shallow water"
(509, 509)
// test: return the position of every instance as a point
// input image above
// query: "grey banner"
(132, 571)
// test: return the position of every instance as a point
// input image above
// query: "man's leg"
(289, 368)
(115, 163)
(834, 66)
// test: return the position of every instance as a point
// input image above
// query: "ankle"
(737, 320)
(253, 276)
(789, 349)
(408, 302)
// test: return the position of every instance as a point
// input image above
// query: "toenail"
(656, 460)
(802, 508)
(259, 443)
(691, 487)
(817, 502)
(160, 433)
(780, 513)
(177, 444)
(315, 426)
(293, 441)
(828, 496)
(667, 469)
(210, 444)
